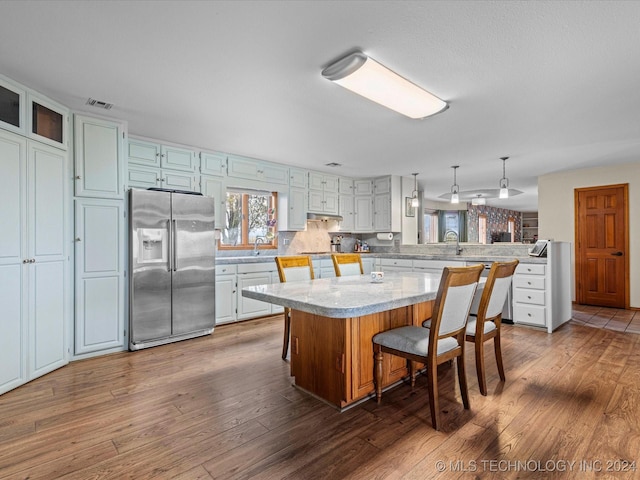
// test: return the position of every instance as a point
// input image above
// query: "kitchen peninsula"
(333, 321)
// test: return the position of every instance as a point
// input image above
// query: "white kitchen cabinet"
(151, 154)
(296, 211)
(99, 157)
(178, 180)
(363, 186)
(324, 182)
(33, 259)
(323, 193)
(251, 274)
(144, 177)
(435, 266)
(298, 178)
(213, 164)
(214, 187)
(368, 264)
(542, 292)
(345, 186)
(100, 275)
(395, 265)
(275, 278)
(13, 114)
(387, 210)
(257, 170)
(363, 210)
(347, 211)
(226, 287)
(47, 121)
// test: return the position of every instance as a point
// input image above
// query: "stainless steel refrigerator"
(172, 265)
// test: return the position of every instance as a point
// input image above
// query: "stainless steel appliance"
(172, 265)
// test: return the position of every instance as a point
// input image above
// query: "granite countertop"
(409, 256)
(350, 296)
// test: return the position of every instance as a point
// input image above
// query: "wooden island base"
(332, 358)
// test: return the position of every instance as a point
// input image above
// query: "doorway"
(602, 246)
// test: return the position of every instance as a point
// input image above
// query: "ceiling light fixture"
(455, 189)
(504, 181)
(363, 75)
(479, 200)
(415, 201)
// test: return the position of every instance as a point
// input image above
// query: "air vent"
(99, 104)
(333, 164)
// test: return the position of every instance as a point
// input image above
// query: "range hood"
(322, 217)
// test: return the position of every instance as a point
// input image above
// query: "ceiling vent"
(99, 104)
(333, 164)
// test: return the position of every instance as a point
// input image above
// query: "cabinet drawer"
(396, 262)
(529, 281)
(225, 269)
(437, 264)
(531, 269)
(529, 314)
(525, 295)
(257, 267)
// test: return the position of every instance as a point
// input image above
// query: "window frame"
(245, 245)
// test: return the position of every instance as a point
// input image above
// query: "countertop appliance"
(172, 265)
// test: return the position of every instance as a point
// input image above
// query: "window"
(430, 230)
(250, 218)
(482, 228)
(512, 229)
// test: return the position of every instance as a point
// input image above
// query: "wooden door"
(602, 245)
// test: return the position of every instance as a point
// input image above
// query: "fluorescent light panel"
(363, 75)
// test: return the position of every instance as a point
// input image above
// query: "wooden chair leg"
(432, 382)
(497, 348)
(377, 371)
(412, 373)
(287, 333)
(482, 377)
(462, 380)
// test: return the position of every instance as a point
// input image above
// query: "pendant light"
(415, 201)
(455, 189)
(479, 200)
(504, 181)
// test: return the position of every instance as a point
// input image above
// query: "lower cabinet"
(99, 279)
(529, 298)
(225, 294)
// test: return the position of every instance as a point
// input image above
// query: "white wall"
(556, 214)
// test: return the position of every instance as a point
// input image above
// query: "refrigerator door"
(150, 301)
(193, 263)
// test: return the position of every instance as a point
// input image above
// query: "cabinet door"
(316, 201)
(13, 325)
(276, 308)
(243, 168)
(330, 203)
(363, 187)
(142, 177)
(382, 185)
(297, 218)
(98, 157)
(177, 158)
(316, 181)
(363, 214)
(213, 187)
(382, 212)
(331, 183)
(100, 282)
(298, 178)
(178, 181)
(13, 200)
(49, 121)
(345, 186)
(213, 164)
(13, 106)
(346, 211)
(248, 307)
(272, 173)
(225, 299)
(144, 153)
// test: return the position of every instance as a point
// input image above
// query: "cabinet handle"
(26, 260)
(78, 177)
(32, 260)
(78, 239)
(528, 297)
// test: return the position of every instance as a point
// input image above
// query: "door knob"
(617, 254)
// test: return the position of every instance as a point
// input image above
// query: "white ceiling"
(553, 85)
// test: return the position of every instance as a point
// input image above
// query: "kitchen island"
(333, 321)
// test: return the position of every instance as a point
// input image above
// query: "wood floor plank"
(223, 406)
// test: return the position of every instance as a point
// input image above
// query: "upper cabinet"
(99, 157)
(26, 112)
(213, 164)
(150, 154)
(258, 170)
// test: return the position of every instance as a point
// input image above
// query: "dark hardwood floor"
(223, 406)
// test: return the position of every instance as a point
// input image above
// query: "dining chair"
(486, 323)
(290, 269)
(443, 341)
(347, 264)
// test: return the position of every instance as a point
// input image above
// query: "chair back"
(295, 267)
(453, 301)
(496, 290)
(347, 264)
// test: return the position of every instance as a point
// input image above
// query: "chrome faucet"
(255, 245)
(458, 247)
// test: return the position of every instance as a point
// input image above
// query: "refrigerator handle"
(170, 246)
(175, 246)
